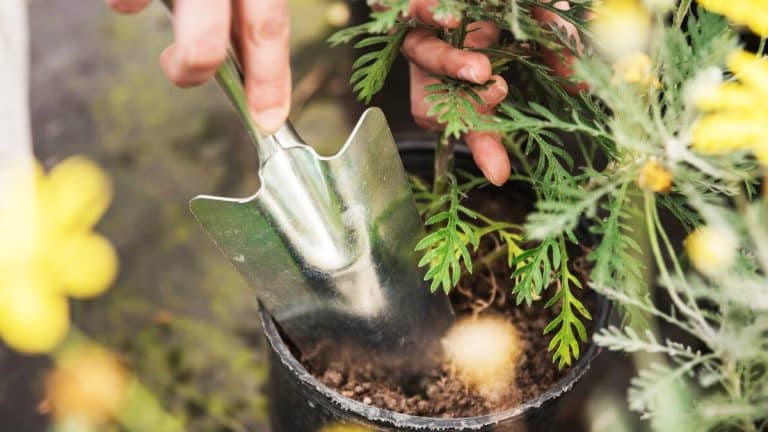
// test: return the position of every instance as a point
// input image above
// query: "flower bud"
(712, 249)
(621, 27)
(634, 68)
(655, 177)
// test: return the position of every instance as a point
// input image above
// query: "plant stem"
(761, 47)
(443, 163)
(445, 144)
(681, 12)
(650, 203)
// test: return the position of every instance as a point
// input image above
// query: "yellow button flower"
(50, 252)
(654, 177)
(621, 27)
(711, 249)
(751, 13)
(635, 68)
(736, 114)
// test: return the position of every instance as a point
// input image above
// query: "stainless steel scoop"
(328, 242)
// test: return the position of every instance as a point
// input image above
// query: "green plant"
(656, 145)
(530, 129)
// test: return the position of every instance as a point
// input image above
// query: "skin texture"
(202, 29)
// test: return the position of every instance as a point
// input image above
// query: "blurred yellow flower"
(711, 249)
(621, 27)
(634, 68)
(655, 177)
(33, 319)
(737, 112)
(51, 252)
(88, 384)
(752, 13)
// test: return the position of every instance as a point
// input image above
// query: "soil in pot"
(437, 393)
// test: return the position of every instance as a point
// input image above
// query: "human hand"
(202, 37)
(428, 54)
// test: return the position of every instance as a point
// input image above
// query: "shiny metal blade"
(328, 242)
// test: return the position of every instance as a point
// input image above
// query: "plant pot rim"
(382, 416)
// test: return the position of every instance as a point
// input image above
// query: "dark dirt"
(437, 393)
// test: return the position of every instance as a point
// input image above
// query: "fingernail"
(497, 91)
(495, 176)
(468, 73)
(269, 121)
(487, 174)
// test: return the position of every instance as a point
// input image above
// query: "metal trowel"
(328, 243)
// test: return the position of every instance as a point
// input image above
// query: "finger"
(492, 95)
(490, 156)
(433, 55)
(481, 34)
(423, 11)
(201, 29)
(420, 107)
(265, 46)
(127, 6)
(560, 60)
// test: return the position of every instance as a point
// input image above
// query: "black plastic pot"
(298, 402)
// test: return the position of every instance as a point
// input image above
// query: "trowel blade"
(328, 244)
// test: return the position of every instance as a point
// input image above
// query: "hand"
(428, 54)
(202, 30)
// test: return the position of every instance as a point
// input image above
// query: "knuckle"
(203, 56)
(275, 26)
(413, 39)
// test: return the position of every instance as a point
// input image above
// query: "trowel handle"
(230, 79)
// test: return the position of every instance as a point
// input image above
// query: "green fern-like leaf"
(371, 69)
(387, 18)
(347, 35)
(451, 105)
(447, 246)
(616, 259)
(533, 270)
(565, 342)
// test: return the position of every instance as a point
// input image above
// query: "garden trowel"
(328, 242)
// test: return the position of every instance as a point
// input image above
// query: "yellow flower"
(621, 27)
(33, 319)
(50, 252)
(634, 68)
(751, 13)
(88, 384)
(711, 249)
(654, 177)
(737, 112)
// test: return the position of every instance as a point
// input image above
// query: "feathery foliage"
(611, 159)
